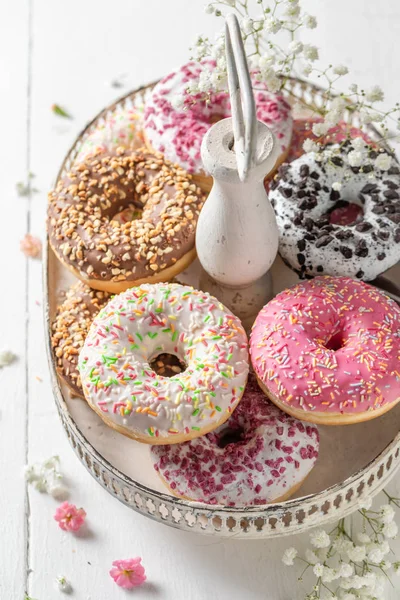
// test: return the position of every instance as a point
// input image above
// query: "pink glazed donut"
(260, 455)
(178, 132)
(328, 351)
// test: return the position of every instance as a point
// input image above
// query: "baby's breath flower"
(318, 570)
(292, 10)
(320, 539)
(272, 25)
(374, 94)
(363, 538)
(383, 162)
(311, 52)
(390, 530)
(355, 159)
(353, 87)
(386, 512)
(320, 129)
(358, 144)
(375, 555)
(337, 186)
(63, 585)
(340, 70)
(310, 22)
(247, 25)
(209, 9)
(288, 556)
(329, 575)
(307, 70)
(345, 570)
(295, 47)
(310, 146)
(342, 545)
(357, 553)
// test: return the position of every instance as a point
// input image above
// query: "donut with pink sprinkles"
(260, 455)
(177, 131)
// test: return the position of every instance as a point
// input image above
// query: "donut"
(328, 350)
(131, 331)
(119, 219)
(119, 128)
(69, 330)
(178, 132)
(337, 219)
(259, 455)
(302, 131)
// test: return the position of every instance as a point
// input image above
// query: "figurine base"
(245, 302)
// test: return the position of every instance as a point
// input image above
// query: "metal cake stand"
(355, 462)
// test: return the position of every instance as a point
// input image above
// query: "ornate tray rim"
(273, 520)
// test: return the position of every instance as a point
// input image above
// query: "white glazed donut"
(260, 455)
(138, 325)
(120, 128)
(353, 231)
(178, 132)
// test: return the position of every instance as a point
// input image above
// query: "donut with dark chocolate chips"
(337, 219)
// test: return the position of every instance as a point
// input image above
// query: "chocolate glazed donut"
(122, 218)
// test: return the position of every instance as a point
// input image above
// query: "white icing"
(143, 322)
(178, 132)
(330, 257)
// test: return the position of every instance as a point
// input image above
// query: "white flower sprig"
(347, 565)
(46, 477)
(264, 28)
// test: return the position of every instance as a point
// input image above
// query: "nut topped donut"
(337, 219)
(137, 326)
(259, 455)
(328, 351)
(70, 327)
(179, 131)
(121, 218)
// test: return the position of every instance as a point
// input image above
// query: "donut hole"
(127, 214)
(167, 365)
(336, 342)
(230, 436)
(345, 213)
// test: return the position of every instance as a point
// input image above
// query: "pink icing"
(331, 345)
(179, 132)
(274, 453)
(302, 130)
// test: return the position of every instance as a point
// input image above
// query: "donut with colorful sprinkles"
(259, 455)
(328, 351)
(179, 131)
(140, 324)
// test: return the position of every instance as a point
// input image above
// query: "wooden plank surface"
(67, 53)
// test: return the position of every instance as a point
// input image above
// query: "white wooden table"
(66, 52)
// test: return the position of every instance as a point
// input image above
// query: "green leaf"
(60, 111)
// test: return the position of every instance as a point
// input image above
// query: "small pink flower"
(128, 573)
(69, 517)
(31, 246)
